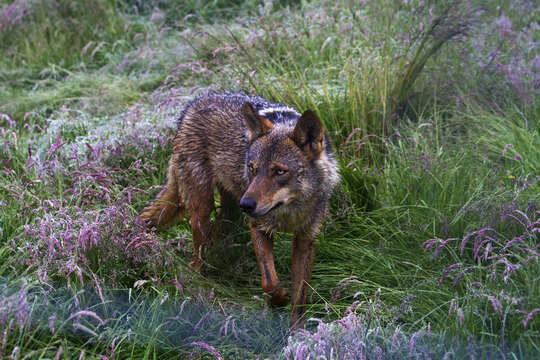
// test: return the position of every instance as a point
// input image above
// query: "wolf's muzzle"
(249, 206)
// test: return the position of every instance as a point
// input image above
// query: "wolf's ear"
(309, 134)
(256, 124)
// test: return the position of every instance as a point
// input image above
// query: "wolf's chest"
(289, 220)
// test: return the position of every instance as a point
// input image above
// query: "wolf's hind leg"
(168, 206)
(263, 243)
(201, 204)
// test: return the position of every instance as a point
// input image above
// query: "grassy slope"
(87, 137)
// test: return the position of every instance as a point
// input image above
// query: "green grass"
(419, 130)
(59, 31)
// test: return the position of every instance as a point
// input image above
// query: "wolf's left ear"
(256, 124)
(309, 134)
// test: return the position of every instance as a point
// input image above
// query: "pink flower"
(209, 348)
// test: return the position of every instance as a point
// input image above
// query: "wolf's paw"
(197, 264)
(145, 218)
(278, 297)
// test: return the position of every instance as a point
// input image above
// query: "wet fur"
(218, 136)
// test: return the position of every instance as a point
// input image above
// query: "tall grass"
(58, 32)
(358, 72)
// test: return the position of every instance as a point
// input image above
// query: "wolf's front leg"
(263, 243)
(303, 256)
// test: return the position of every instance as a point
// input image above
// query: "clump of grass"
(37, 33)
(80, 176)
(181, 13)
(96, 95)
(357, 72)
(495, 266)
(364, 336)
(44, 321)
(511, 138)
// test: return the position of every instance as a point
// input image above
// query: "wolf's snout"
(247, 205)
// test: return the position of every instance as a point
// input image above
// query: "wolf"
(272, 162)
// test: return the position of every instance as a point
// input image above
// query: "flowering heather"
(139, 131)
(191, 326)
(512, 54)
(12, 14)
(14, 307)
(359, 336)
(66, 240)
(493, 261)
(97, 170)
(209, 348)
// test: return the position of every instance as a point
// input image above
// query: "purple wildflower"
(112, 347)
(200, 322)
(97, 48)
(233, 328)
(351, 135)
(209, 348)
(87, 313)
(497, 307)
(58, 353)
(57, 145)
(299, 355)
(4, 338)
(51, 322)
(514, 241)
(468, 236)
(451, 308)
(446, 272)
(442, 244)
(461, 274)
(124, 61)
(506, 148)
(8, 119)
(505, 27)
(460, 316)
(412, 343)
(85, 48)
(513, 217)
(529, 316)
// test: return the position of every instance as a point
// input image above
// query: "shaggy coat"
(266, 158)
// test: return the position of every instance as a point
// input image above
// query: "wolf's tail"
(168, 206)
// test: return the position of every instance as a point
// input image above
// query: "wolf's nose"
(247, 205)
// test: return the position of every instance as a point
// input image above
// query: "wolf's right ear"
(256, 124)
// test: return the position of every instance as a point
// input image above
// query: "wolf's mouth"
(255, 215)
(275, 206)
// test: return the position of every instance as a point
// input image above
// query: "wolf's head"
(283, 162)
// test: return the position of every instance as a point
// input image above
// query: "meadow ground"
(431, 247)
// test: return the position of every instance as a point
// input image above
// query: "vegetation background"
(431, 248)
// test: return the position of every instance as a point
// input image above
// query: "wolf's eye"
(280, 171)
(251, 168)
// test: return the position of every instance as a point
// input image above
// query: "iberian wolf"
(266, 158)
